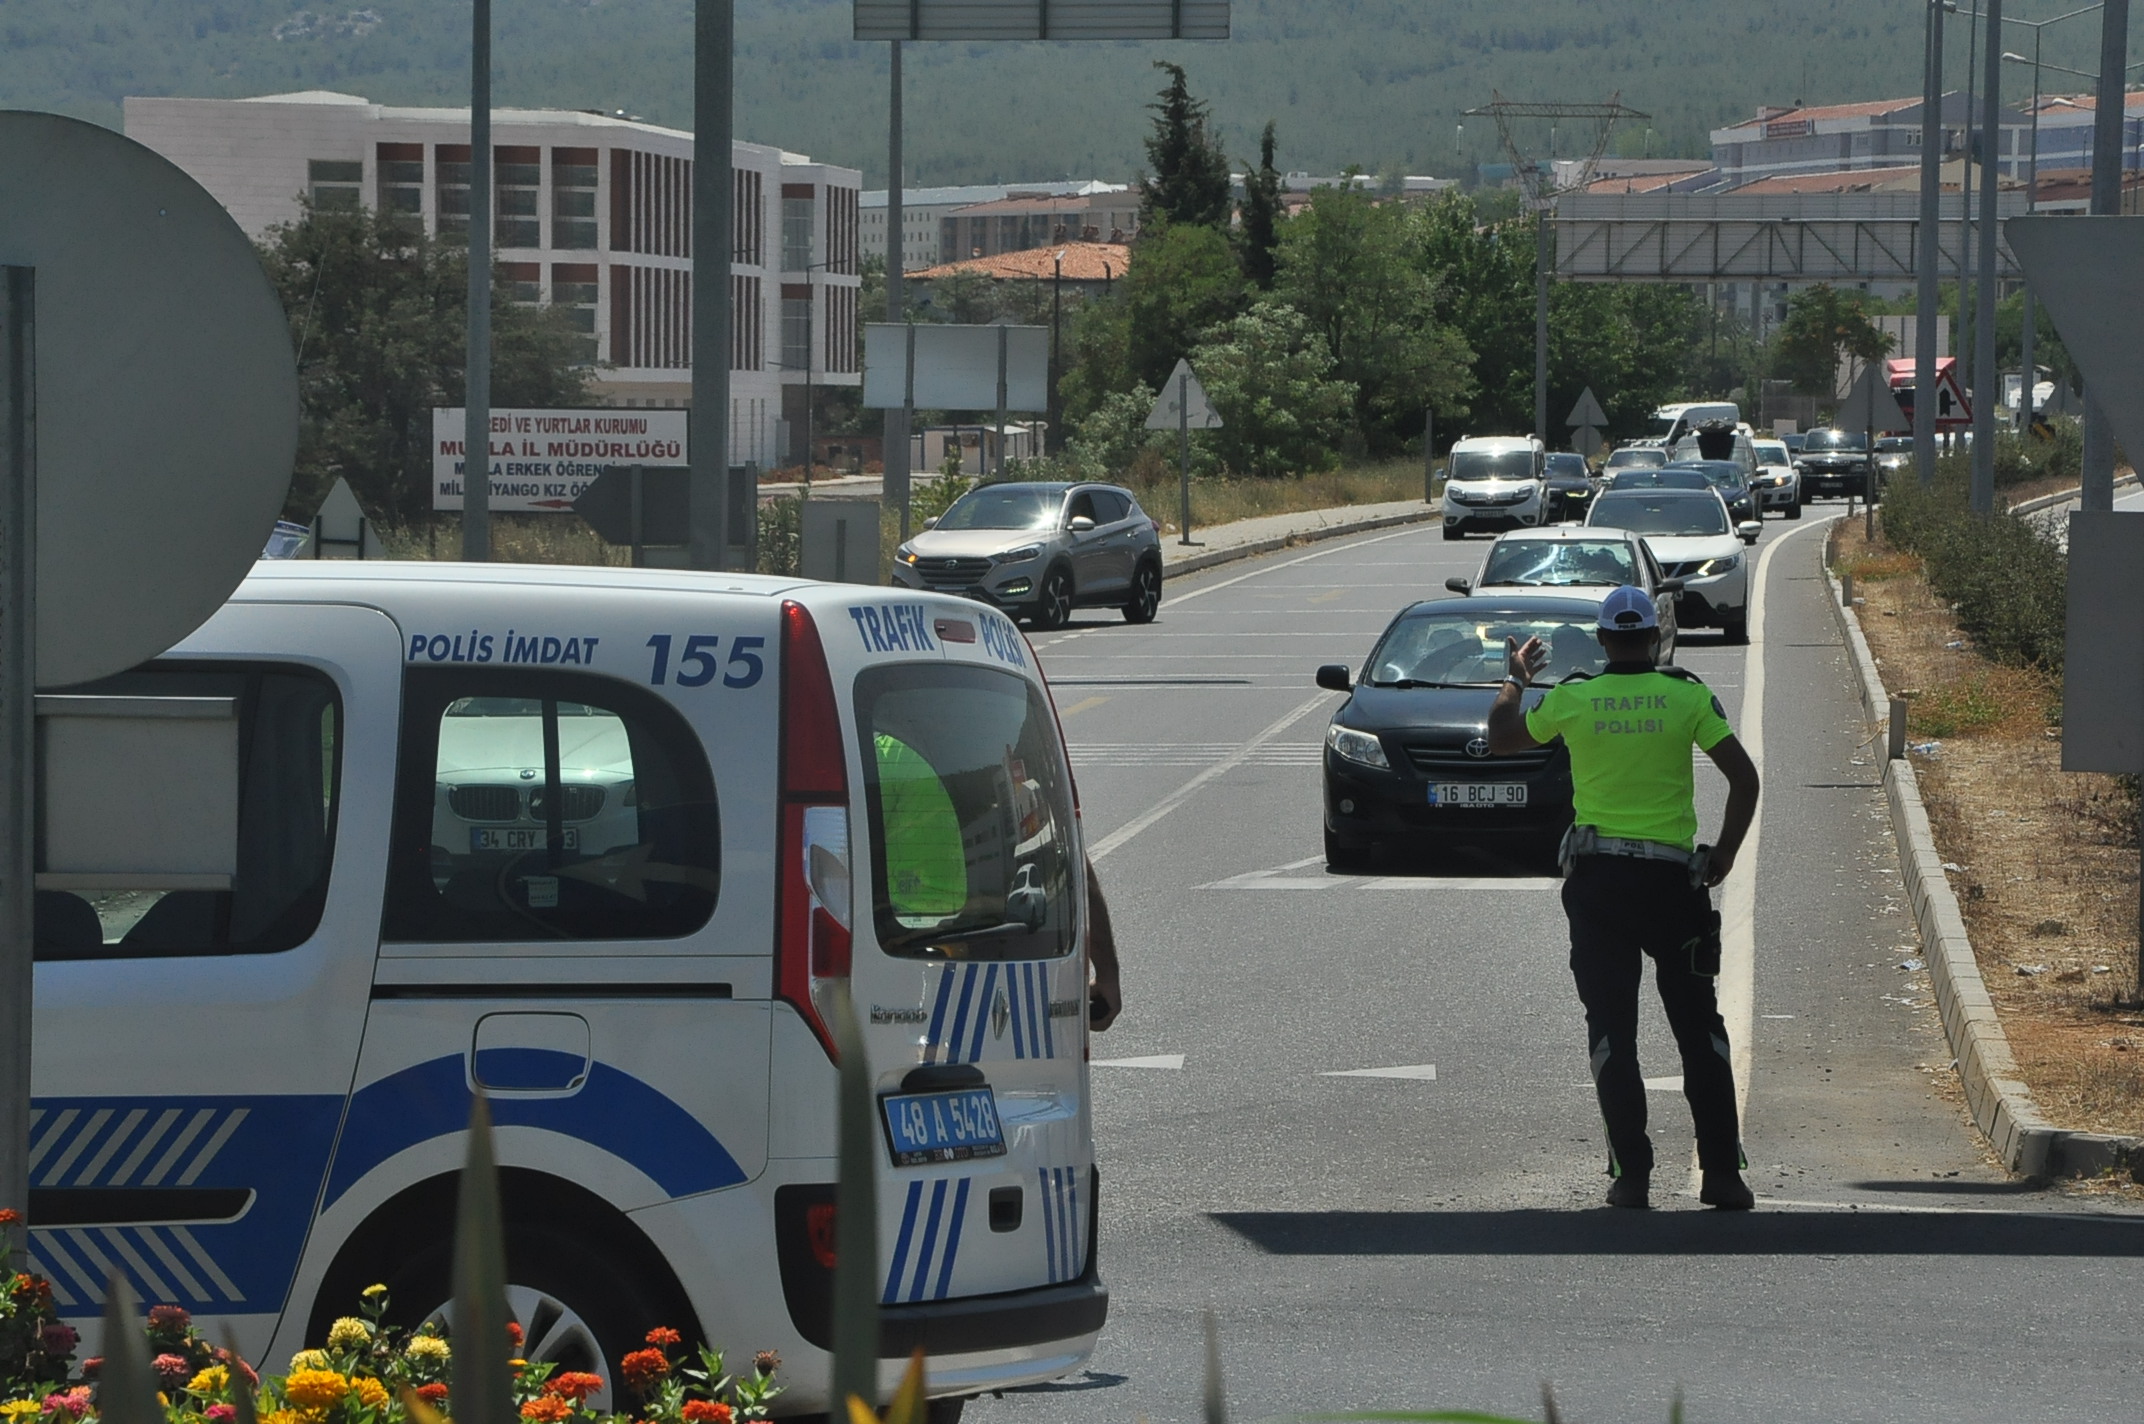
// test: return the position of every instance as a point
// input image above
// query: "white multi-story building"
(591, 213)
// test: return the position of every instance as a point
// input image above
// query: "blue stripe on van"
(1049, 1028)
(985, 1009)
(945, 996)
(960, 1016)
(614, 1111)
(1019, 1010)
(1049, 1225)
(1037, 1009)
(900, 1245)
(1076, 1258)
(930, 1240)
(952, 1241)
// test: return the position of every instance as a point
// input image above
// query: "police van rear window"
(971, 816)
(540, 805)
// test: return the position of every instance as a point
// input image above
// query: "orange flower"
(706, 1411)
(663, 1336)
(547, 1409)
(575, 1385)
(9, 1216)
(643, 1369)
(434, 1394)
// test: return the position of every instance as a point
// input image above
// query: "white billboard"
(957, 366)
(1041, 19)
(541, 460)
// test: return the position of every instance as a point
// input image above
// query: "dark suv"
(1834, 462)
(1038, 551)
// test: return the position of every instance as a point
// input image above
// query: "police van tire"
(1053, 605)
(945, 1411)
(1145, 600)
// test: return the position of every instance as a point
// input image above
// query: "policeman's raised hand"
(1525, 663)
(1718, 866)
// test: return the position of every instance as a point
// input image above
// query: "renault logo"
(1000, 1015)
(1478, 748)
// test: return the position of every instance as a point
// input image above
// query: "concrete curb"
(1308, 535)
(2001, 1105)
(2049, 501)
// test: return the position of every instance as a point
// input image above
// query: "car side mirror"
(1749, 529)
(1459, 585)
(931, 523)
(1333, 678)
(1669, 585)
(1080, 524)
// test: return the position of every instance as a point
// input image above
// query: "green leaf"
(483, 1382)
(126, 1387)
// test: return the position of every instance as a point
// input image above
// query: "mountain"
(1380, 84)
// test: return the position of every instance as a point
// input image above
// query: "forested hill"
(1377, 83)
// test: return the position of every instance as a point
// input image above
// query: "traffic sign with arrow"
(1182, 394)
(1588, 411)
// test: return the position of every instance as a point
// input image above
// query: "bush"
(2007, 578)
(781, 523)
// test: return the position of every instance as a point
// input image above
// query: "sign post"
(1586, 420)
(1870, 407)
(18, 699)
(1183, 406)
(1429, 457)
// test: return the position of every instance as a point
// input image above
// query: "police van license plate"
(942, 1127)
(1477, 793)
(519, 838)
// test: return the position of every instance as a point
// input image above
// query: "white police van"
(585, 839)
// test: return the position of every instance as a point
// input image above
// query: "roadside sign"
(664, 500)
(986, 367)
(1953, 410)
(1587, 441)
(543, 460)
(2103, 665)
(2089, 273)
(1182, 396)
(1588, 410)
(1870, 405)
(341, 530)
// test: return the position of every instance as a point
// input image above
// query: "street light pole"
(2107, 122)
(1926, 254)
(476, 372)
(1965, 206)
(714, 245)
(1984, 306)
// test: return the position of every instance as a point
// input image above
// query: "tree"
(1823, 326)
(1258, 239)
(1486, 293)
(1356, 270)
(1183, 282)
(1272, 381)
(1190, 181)
(378, 317)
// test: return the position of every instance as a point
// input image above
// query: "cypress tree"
(1189, 182)
(1260, 234)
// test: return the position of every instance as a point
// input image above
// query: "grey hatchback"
(1038, 551)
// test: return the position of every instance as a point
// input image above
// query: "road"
(1431, 1237)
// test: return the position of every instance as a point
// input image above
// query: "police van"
(601, 844)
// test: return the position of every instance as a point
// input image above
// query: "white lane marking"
(1671, 1084)
(1151, 1060)
(1343, 548)
(1123, 834)
(1419, 1072)
(1737, 985)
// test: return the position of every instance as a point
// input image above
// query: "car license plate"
(942, 1127)
(1477, 793)
(518, 838)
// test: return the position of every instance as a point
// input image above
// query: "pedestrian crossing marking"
(1151, 1060)
(1417, 1072)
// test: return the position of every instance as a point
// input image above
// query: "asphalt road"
(1432, 1237)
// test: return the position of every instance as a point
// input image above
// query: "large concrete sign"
(543, 460)
(2089, 273)
(1042, 19)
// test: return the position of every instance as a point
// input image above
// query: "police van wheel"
(1145, 599)
(1053, 607)
(945, 1411)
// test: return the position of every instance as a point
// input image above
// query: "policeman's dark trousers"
(1622, 910)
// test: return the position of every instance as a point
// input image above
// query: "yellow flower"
(19, 1408)
(427, 1347)
(309, 1360)
(349, 1333)
(369, 1392)
(213, 1380)
(315, 1389)
(282, 1416)
(373, 1292)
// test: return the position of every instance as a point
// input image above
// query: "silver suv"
(1038, 551)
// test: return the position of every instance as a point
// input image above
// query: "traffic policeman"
(1637, 884)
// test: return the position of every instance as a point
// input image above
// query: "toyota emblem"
(1478, 748)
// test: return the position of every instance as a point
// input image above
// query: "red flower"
(706, 1411)
(173, 1370)
(9, 1216)
(513, 1333)
(662, 1336)
(58, 1339)
(92, 1367)
(644, 1369)
(434, 1394)
(547, 1409)
(575, 1385)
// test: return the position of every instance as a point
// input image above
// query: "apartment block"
(591, 213)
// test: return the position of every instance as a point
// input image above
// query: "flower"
(58, 1339)
(9, 1216)
(284, 1416)
(374, 1291)
(17, 1408)
(513, 1333)
(767, 1361)
(213, 1380)
(644, 1368)
(92, 1367)
(73, 1402)
(706, 1411)
(220, 1414)
(663, 1335)
(429, 1348)
(434, 1394)
(349, 1333)
(547, 1409)
(575, 1385)
(315, 1389)
(171, 1370)
(169, 1319)
(370, 1392)
(309, 1360)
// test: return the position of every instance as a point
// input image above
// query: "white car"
(1777, 484)
(1495, 482)
(1689, 532)
(1577, 562)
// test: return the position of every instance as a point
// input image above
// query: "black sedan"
(1834, 462)
(1570, 486)
(1407, 764)
(1728, 478)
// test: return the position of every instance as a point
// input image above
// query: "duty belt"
(1587, 840)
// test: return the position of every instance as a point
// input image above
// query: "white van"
(1495, 482)
(586, 839)
(1670, 423)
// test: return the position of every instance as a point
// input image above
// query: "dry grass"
(515, 539)
(1223, 501)
(2048, 858)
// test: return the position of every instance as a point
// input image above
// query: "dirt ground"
(2044, 862)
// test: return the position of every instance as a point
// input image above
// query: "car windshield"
(1895, 445)
(1004, 507)
(1567, 467)
(1667, 513)
(1637, 459)
(1669, 477)
(1662, 425)
(1559, 563)
(1455, 644)
(1719, 472)
(1772, 452)
(1835, 440)
(1492, 465)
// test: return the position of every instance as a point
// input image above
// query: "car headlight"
(1722, 565)
(1357, 746)
(906, 554)
(1021, 555)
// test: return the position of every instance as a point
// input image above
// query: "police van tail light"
(812, 879)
